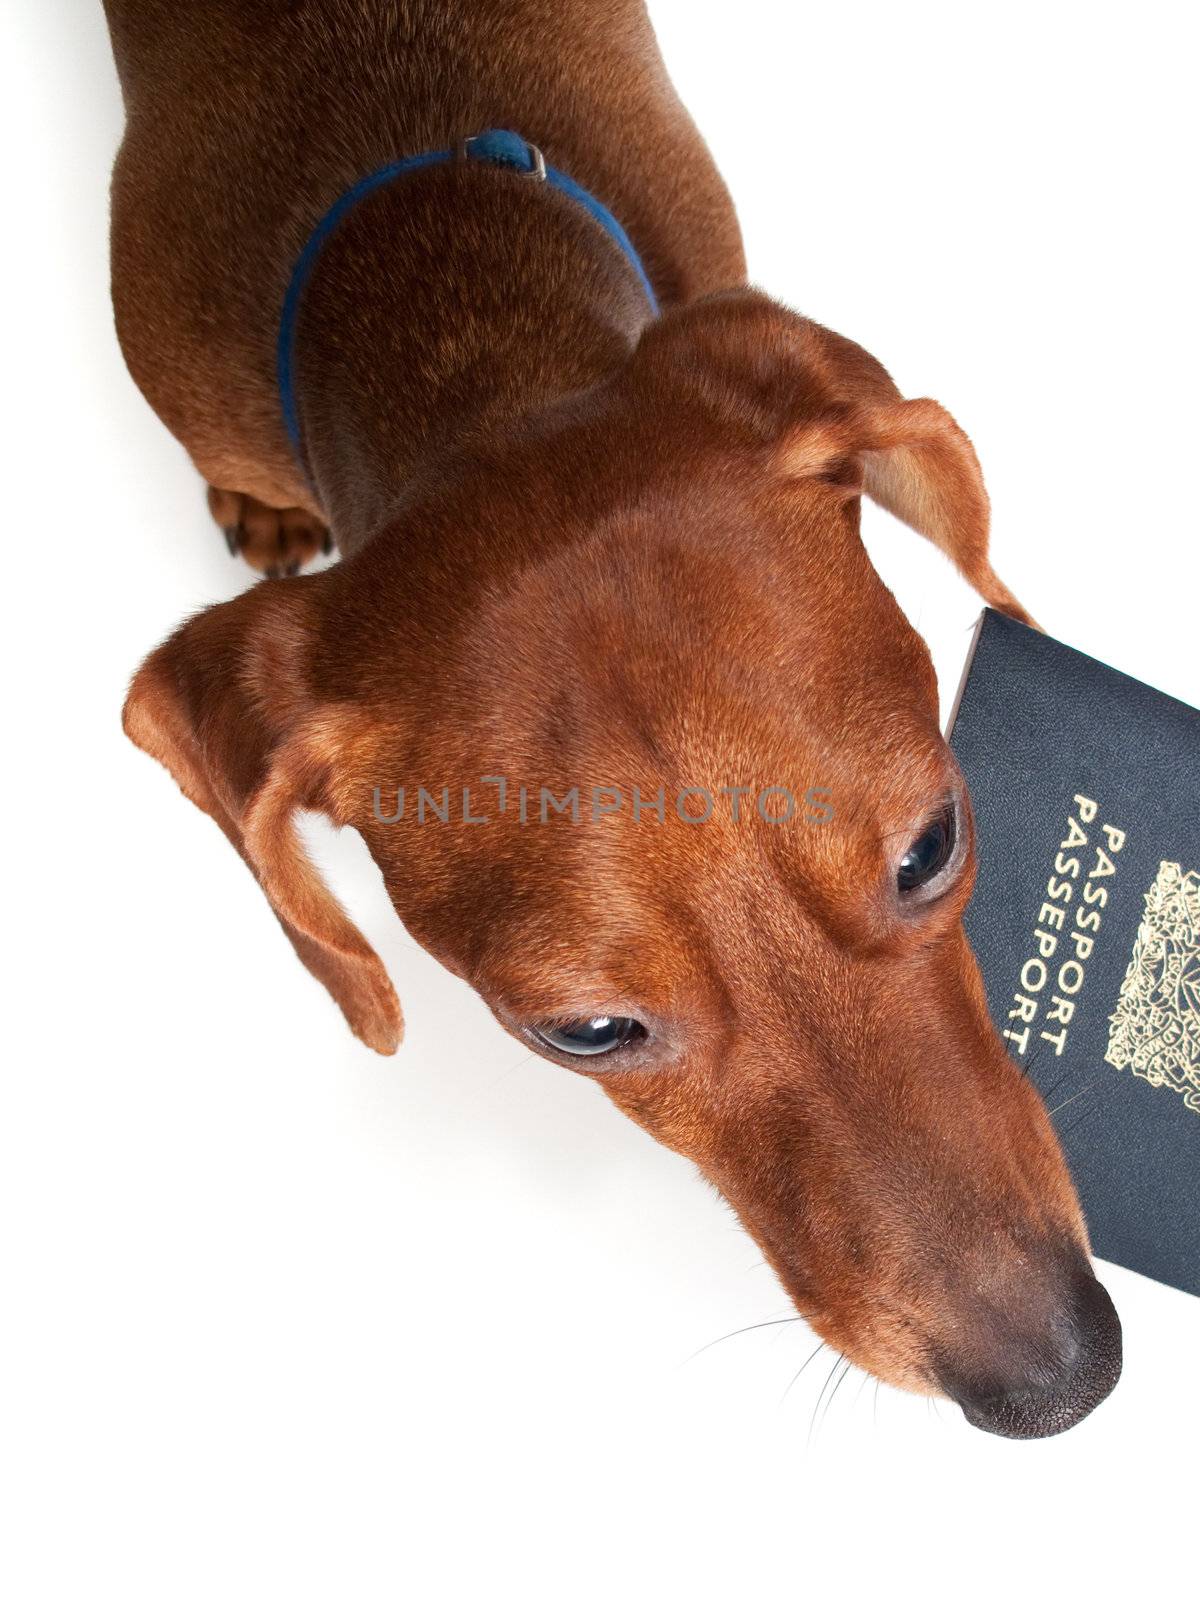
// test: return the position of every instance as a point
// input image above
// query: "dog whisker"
(1081, 1117)
(836, 1387)
(803, 1369)
(773, 1322)
(1052, 1089)
(1077, 1096)
(866, 1380)
(838, 1359)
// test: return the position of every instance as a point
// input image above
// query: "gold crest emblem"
(1155, 1030)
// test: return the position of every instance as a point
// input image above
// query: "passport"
(1085, 920)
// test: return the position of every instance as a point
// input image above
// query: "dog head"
(647, 753)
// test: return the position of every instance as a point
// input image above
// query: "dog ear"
(917, 463)
(222, 705)
(826, 409)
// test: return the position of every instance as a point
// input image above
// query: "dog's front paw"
(275, 542)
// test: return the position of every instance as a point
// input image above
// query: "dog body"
(587, 549)
(248, 118)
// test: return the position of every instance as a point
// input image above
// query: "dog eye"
(590, 1036)
(928, 855)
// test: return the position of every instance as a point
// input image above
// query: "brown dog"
(591, 552)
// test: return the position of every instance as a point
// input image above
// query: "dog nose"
(1045, 1373)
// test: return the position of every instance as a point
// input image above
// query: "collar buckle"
(501, 148)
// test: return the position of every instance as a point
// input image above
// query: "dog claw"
(275, 540)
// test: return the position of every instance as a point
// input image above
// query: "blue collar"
(496, 146)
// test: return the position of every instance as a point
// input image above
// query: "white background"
(287, 1318)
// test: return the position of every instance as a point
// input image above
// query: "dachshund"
(456, 289)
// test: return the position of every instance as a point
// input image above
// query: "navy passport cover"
(1085, 919)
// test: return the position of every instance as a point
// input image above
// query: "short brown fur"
(582, 546)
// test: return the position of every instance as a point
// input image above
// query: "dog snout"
(1041, 1366)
